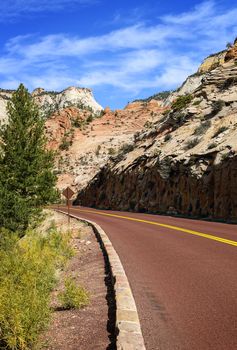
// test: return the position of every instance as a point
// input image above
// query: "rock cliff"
(186, 161)
(51, 101)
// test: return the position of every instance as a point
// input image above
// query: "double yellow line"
(176, 228)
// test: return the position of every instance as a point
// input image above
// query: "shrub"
(64, 146)
(202, 128)
(27, 276)
(217, 106)
(78, 122)
(191, 143)
(148, 124)
(111, 151)
(73, 296)
(219, 131)
(127, 148)
(167, 137)
(181, 102)
(102, 113)
(212, 145)
(224, 156)
(166, 112)
(89, 119)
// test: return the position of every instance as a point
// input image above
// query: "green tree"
(27, 181)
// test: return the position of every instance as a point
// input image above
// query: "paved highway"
(183, 276)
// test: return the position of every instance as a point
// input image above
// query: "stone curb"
(129, 334)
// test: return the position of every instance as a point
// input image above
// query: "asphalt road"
(183, 274)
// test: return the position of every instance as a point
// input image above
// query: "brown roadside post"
(68, 193)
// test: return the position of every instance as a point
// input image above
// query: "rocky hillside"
(86, 141)
(185, 162)
(84, 135)
(51, 101)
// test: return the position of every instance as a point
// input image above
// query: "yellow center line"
(176, 228)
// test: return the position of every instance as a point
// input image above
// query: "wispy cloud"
(131, 59)
(14, 8)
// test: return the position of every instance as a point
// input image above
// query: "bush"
(181, 102)
(78, 122)
(167, 137)
(27, 276)
(217, 106)
(202, 128)
(212, 145)
(148, 124)
(112, 151)
(73, 296)
(219, 131)
(89, 119)
(126, 148)
(166, 112)
(64, 146)
(192, 143)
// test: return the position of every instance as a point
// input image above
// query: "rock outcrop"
(51, 101)
(185, 162)
(212, 62)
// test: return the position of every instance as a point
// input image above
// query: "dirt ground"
(90, 328)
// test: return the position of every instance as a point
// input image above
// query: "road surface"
(183, 274)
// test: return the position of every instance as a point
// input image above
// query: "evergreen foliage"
(26, 178)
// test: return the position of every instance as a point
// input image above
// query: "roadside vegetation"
(73, 296)
(29, 259)
(27, 276)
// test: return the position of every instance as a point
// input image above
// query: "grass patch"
(27, 276)
(73, 296)
(202, 128)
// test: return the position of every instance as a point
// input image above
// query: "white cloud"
(15, 8)
(130, 59)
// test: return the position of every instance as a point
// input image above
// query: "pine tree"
(26, 177)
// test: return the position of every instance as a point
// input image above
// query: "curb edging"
(129, 334)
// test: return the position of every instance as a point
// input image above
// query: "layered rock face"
(148, 185)
(186, 162)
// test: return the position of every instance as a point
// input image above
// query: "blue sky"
(123, 50)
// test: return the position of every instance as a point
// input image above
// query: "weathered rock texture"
(51, 101)
(153, 186)
(212, 62)
(186, 162)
